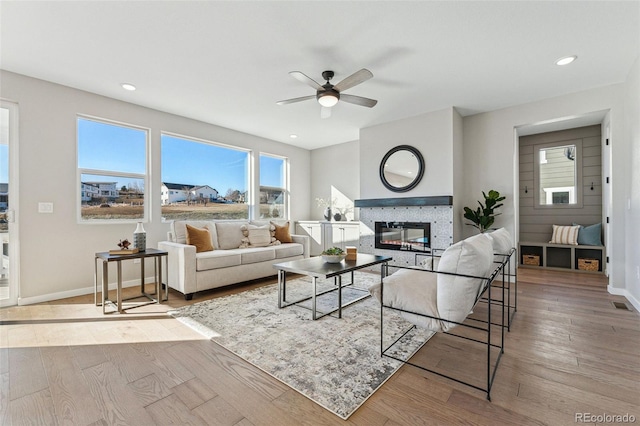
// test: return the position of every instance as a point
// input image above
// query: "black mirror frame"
(418, 176)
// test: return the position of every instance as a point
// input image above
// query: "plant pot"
(337, 217)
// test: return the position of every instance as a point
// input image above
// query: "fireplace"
(405, 236)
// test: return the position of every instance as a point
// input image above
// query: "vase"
(140, 238)
(337, 217)
(327, 213)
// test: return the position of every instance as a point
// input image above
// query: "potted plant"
(484, 216)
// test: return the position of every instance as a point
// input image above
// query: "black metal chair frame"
(487, 286)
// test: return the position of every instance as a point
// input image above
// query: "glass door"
(8, 203)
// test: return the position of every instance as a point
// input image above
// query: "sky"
(108, 147)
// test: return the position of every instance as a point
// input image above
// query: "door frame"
(13, 216)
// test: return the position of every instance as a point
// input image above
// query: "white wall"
(430, 133)
(632, 219)
(458, 176)
(490, 148)
(56, 252)
(335, 174)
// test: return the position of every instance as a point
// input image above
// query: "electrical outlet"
(45, 207)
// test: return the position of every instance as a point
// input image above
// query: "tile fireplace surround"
(436, 210)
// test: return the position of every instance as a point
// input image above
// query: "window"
(202, 180)
(273, 186)
(558, 174)
(112, 171)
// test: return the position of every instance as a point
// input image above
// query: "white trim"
(624, 292)
(14, 204)
(78, 292)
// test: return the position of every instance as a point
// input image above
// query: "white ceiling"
(227, 63)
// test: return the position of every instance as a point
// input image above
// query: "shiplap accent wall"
(536, 223)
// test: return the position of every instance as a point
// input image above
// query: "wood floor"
(569, 351)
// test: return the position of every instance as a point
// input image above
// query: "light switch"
(45, 207)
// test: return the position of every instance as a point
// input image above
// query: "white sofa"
(190, 272)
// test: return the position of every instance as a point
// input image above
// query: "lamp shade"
(328, 99)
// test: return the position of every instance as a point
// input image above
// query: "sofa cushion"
(217, 259)
(229, 234)
(282, 234)
(199, 237)
(179, 230)
(255, 255)
(288, 250)
(456, 294)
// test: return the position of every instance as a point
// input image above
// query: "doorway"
(9, 268)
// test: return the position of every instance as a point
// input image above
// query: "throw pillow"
(500, 240)
(229, 234)
(282, 233)
(258, 236)
(590, 235)
(199, 237)
(565, 235)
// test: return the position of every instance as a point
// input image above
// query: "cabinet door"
(341, 235)
(314, 232)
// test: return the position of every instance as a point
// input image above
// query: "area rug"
(333, 361)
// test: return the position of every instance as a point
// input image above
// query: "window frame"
(144, 176)
(578, 175)
(248, 177)
(286, 188)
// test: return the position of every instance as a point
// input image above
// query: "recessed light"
(128, 86)
(566, 60)
(293, 136)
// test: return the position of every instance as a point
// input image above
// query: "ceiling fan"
(328, 94)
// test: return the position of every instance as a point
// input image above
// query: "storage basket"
(588, 264)
(530, 259)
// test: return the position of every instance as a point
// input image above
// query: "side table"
(106, 257)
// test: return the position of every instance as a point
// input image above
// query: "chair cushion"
(457, 295)
(229, 234)
(500, 240)
(411, 290)
(199, 237)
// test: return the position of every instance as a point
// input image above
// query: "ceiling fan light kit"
(328, 94)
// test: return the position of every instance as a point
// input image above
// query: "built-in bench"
(563, 257)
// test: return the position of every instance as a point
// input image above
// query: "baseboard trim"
(77, 292)
(623, 292)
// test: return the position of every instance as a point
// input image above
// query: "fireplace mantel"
(444, 200)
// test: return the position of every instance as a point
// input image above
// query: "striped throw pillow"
(565, 235)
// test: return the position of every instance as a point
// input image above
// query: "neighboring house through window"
(203, 180)
(112, 171)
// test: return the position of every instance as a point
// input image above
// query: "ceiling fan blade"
(354, 79)
(358, 100)
(305, 79)
(294, 100)
(325, 112)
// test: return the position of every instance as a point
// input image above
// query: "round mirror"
(402, 168)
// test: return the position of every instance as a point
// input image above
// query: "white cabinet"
(324, 235)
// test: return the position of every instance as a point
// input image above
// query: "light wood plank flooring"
(569, 351)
